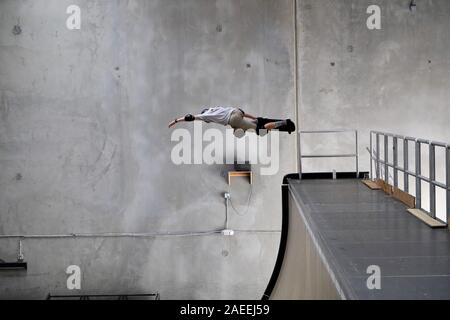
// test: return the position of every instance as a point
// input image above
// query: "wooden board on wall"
(404, 197)
(386, 187)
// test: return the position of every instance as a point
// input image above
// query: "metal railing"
(311, 156)
(417, 173)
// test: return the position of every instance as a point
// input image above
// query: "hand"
(171, 124)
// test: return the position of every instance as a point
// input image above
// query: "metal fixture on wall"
(19, 265)
(226, 231)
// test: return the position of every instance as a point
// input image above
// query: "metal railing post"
(409, 172)
(395, 157)
(405, 165)
(300, 168)
(310, 156)
(377, 163)
(447, 170)
(432, 156)
(386, 158)
(370, 158)
(357, 154)
(418, 174)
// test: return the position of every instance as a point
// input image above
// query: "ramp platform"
(336, 231)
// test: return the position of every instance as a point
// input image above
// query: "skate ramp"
(335, 232)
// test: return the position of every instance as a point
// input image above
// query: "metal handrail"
(407, 172)
(352, 155)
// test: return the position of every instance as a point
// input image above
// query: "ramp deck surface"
(356, 228)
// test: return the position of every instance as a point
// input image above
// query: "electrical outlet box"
(228, 232)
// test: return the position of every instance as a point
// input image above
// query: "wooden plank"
(371, 184)
(380, 182)
(422, 215)
(404, 197)
(387, 188)
(240, 174)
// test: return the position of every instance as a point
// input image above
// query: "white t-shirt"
(220, 115)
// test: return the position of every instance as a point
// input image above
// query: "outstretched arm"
(174, 122)
(188, 118)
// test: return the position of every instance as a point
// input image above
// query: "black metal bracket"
(13, 266)
(146, 296)
(329, 175)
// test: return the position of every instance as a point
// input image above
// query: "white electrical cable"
(250, 193)
(125, 235)
(141, 235)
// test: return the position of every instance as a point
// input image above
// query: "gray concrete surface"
(353, 229)
(84, 144)
(395, 79)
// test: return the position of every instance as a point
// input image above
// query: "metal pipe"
(439, 144)
(418, 174)
(405, 165)
(447, 161)
(330, 156)
(370, 158)
(378, 168)
(300, 157)
(386, 158)
(423, 178)
(424, 141)
(123, 235)
(395, 157)
(108, 235)
(226, 210)
(432, 164)
(357, 153)
(296, 109)
(328, 131)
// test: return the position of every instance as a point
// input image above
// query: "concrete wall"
(395, 79)
(84, 144)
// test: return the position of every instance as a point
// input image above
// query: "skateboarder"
(238, 120)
